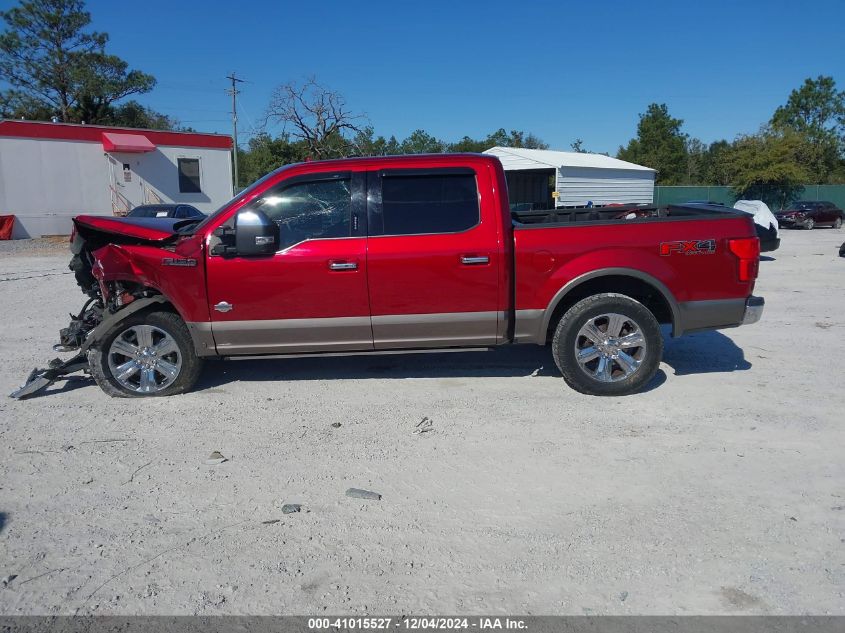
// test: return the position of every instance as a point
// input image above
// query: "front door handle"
(474, 260)
(343, 265)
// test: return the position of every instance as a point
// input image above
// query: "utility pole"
(234, 92)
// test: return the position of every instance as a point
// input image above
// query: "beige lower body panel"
(450, 329)
(528, 327)
(348, 334)
(293, 336)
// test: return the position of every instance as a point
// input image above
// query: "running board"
(376, 352)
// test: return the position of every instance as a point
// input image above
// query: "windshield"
(201, 223)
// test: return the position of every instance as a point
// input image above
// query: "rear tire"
(608, 345)
(837, 223)
(149, 354)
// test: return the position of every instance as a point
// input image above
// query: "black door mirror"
(255, 234)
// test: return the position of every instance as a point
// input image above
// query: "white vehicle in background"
(764, 221)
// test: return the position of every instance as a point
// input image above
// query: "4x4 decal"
(688, 247)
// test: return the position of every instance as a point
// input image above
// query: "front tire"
(809, 224)
(608, 345)
(837, 223)
(146, 355)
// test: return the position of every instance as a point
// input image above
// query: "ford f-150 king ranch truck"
(400, 253)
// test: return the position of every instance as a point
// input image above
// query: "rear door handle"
(343, 265)
(472, 260)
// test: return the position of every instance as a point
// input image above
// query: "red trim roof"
(131, 143)
(94, 134)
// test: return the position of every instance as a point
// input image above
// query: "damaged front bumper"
(84, 331)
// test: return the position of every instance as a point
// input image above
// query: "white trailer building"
(545, 179)
(50, 172)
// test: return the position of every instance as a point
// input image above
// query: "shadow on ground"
(697, 353)
(4, 518)
(704, 353)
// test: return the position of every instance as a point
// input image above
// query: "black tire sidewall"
(566, 333)
(166, 321)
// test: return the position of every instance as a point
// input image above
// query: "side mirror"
(255, 234)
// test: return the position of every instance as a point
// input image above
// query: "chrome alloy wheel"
(144, 359)
(610, 347)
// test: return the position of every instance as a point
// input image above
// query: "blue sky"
(560, 69)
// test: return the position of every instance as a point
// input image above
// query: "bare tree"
(317, 115)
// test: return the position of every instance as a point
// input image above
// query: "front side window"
(435, 203)
(189, 175)
(309, 210)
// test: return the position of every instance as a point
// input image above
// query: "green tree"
(516, 138)
(264, 154)
(659, 144)
(715, 170)
(421, 142)
(365, 143)
(697, 155)
(54, 66)
(468, 144)
(768, 166)
(133, 114)
(816, 110)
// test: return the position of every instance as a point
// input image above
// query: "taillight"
(747, 249)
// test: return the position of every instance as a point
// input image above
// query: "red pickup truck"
(367, 255)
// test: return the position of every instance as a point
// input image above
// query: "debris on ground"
(536, 372)
(335, 425)
(623, 596)
(8, 579)
(216, 458)
(290, 508)
(271, 521)
(424, 426)
(363, 494)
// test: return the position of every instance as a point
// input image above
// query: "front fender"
(178, 274)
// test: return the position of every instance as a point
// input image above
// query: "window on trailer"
(189, 175)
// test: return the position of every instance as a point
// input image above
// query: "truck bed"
(622, 213)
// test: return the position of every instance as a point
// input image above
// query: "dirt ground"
(721, 489)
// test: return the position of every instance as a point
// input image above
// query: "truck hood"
(140, 229)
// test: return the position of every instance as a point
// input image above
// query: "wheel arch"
(645, 288)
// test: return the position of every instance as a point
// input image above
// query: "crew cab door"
(433, 260)
(311, 295)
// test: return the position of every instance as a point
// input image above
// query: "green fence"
(674, 195)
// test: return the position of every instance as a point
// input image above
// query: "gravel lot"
(719, 490)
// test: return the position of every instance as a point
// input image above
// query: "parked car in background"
(765, 223)
(177, 211)
(808, 214)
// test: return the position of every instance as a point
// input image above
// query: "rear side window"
(436, 203)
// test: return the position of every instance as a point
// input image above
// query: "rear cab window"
(423, 202)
